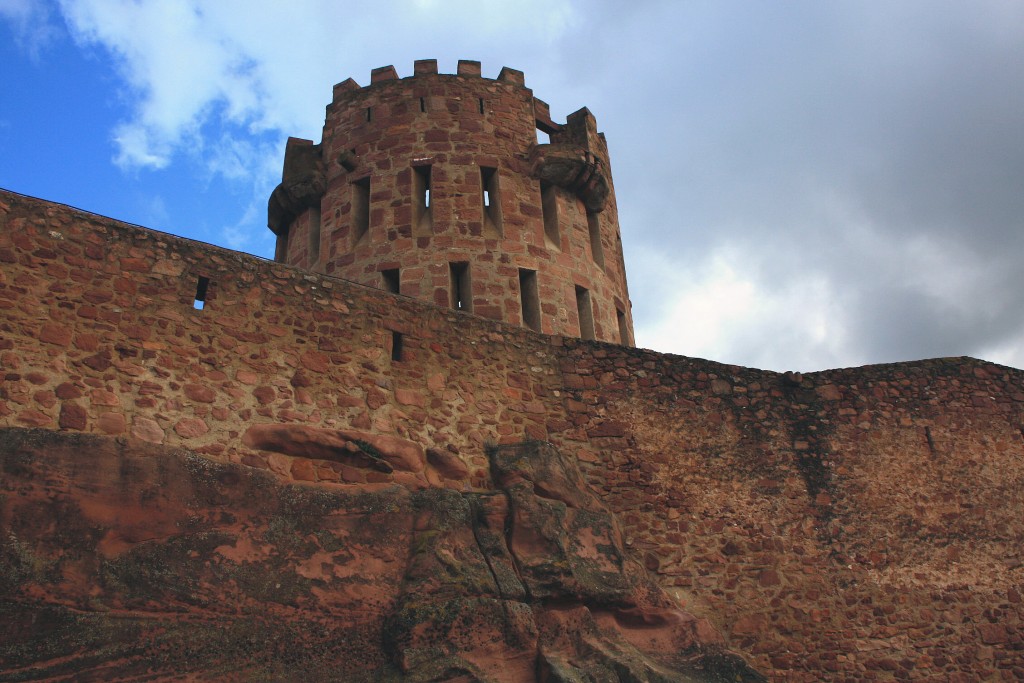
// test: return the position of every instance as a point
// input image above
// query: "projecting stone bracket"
(303, 183)
(574, 169)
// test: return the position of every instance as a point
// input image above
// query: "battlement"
(467, 68)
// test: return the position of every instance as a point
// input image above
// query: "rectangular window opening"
(423, 104)
(422, 221)
(481, 105)
(549, 208)
(392, 280)
(202, 286)
(491, 201)
(585, 312)
(369, 114)
(530, 298)
(360, 208)
(460, 286)
(623, 328)
(397, 344)
(543, 138)
(594, 226)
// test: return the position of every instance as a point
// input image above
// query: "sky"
(801, 185)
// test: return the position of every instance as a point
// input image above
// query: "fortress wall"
(857, 524)
(100, 334)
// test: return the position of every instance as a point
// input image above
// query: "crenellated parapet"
(441, 187)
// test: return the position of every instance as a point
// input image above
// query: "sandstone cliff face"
(125, 560)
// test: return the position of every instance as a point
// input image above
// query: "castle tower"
(436, 187)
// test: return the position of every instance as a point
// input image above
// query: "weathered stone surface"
(574, 169)
(159, 562)
(383, 452)
(870, 525)
(302, 185)
(448, 464)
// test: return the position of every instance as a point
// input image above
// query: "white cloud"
(30, 21)
(725, 310)
(269, 65)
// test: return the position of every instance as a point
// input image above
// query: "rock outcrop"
(123, 560)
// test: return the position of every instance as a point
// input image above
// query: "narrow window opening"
(549, 208)
(314, 235)
(202, 285)
(422, 219)
(530, 298)
(397, 344)
(423, 104)
(543, 138)
(594, 226)
(369, 113)
(460, 286)
(491, 201)
(586, 313)
(392, 280)
(360, 208)
(623, 328)
(481, 105)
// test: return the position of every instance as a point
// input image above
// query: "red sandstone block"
(199, 393)
(101, 397)
(264, 394)
(303, 470)
(147, 430)
(52, 333)
(72, 416)
(326, 473)
(514, 76)
(383, 73)
(191, 427)
(424, 66)
(111, 423)
(45, 398)
(409, 397)
(137, 265)
(608, 428)
(34, 418)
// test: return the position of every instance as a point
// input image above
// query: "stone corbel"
(574, 169)
(302, 185)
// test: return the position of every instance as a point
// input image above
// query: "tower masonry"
(438, 187)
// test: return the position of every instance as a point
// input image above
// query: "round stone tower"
(436, 187)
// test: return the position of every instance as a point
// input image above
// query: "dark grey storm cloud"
(879, 147)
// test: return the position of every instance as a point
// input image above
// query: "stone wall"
(859, 524)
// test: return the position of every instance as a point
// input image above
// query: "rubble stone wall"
(857, 525)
